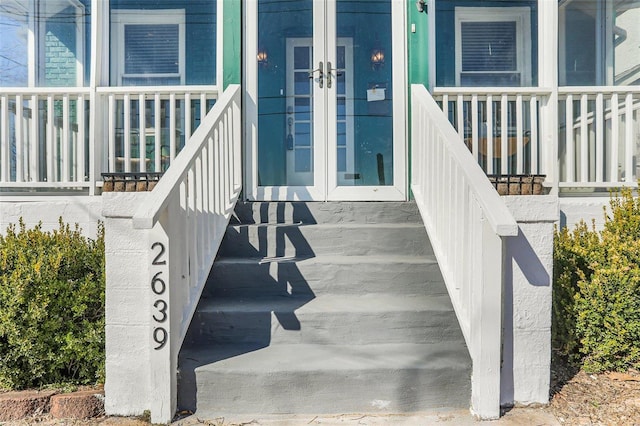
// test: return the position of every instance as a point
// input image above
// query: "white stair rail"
(467, 223)
(187, 214)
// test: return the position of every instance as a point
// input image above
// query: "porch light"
(262, 57)
(377, 58)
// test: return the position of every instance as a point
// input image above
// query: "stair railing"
(467, 223)
(187, 214)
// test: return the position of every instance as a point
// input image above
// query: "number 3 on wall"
(159, 314)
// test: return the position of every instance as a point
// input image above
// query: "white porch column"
(526, 358)
(548, 78)
(97, 77)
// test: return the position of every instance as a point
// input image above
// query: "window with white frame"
(148, 47)
(42, 43)
(493, 46)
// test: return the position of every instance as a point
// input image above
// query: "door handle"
(330, 74)
(320, 69)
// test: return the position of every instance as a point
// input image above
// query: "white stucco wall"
(127, 385)
(85, 211)
(574, 209)
(525, 375)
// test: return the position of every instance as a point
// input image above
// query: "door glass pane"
(285, 93)
(364, 93)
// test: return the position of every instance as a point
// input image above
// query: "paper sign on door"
(376, 94)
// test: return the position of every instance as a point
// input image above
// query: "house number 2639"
(159, 287)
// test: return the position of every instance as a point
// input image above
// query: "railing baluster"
(187, 117)
(519, 136)
(203, 106)
(142, 132)
(172, 126)
(127, 133)
(490, 136)
(629, 140)
(533, 137)
(474, 127)
(4, 138)
(65, 154)
(157, 125)
(112, 133)
(599, 123)
(460, 116)
(570, 141)
(19, 138)
(615, 139)
(80, 171)
(584, 139)
(34, 141)
(504, 135)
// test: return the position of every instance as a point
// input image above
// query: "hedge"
(51, 307)
(596, 297)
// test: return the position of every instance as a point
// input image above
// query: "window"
(148, 47)
(493, 46)
(42, 42)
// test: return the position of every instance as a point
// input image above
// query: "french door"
(324, 100)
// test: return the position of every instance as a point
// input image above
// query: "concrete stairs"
(324, 308)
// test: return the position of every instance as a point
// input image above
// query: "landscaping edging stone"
(18, 405)
(77, 405)
(82, 404)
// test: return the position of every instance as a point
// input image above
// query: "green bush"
(596, 300)
(51, 307)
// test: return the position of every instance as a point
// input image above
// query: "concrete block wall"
(525, 376)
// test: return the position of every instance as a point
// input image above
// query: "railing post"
(127, 384)
(486, 327)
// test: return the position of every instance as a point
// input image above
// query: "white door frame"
(325, 154)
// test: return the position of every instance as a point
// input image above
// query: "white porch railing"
(187, 214)
(147, 142)
(44, 138)
(500, 126)
(64, 138)
(599, 136)
(467, 223)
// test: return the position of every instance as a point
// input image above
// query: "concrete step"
(318, 378)
(343, 275)
(330, 319)
(325, 212)
(302, 240)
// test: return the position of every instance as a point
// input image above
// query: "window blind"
(489, 46)
(152, 49)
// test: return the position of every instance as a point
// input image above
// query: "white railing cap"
(469, 91)
(494, 209)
